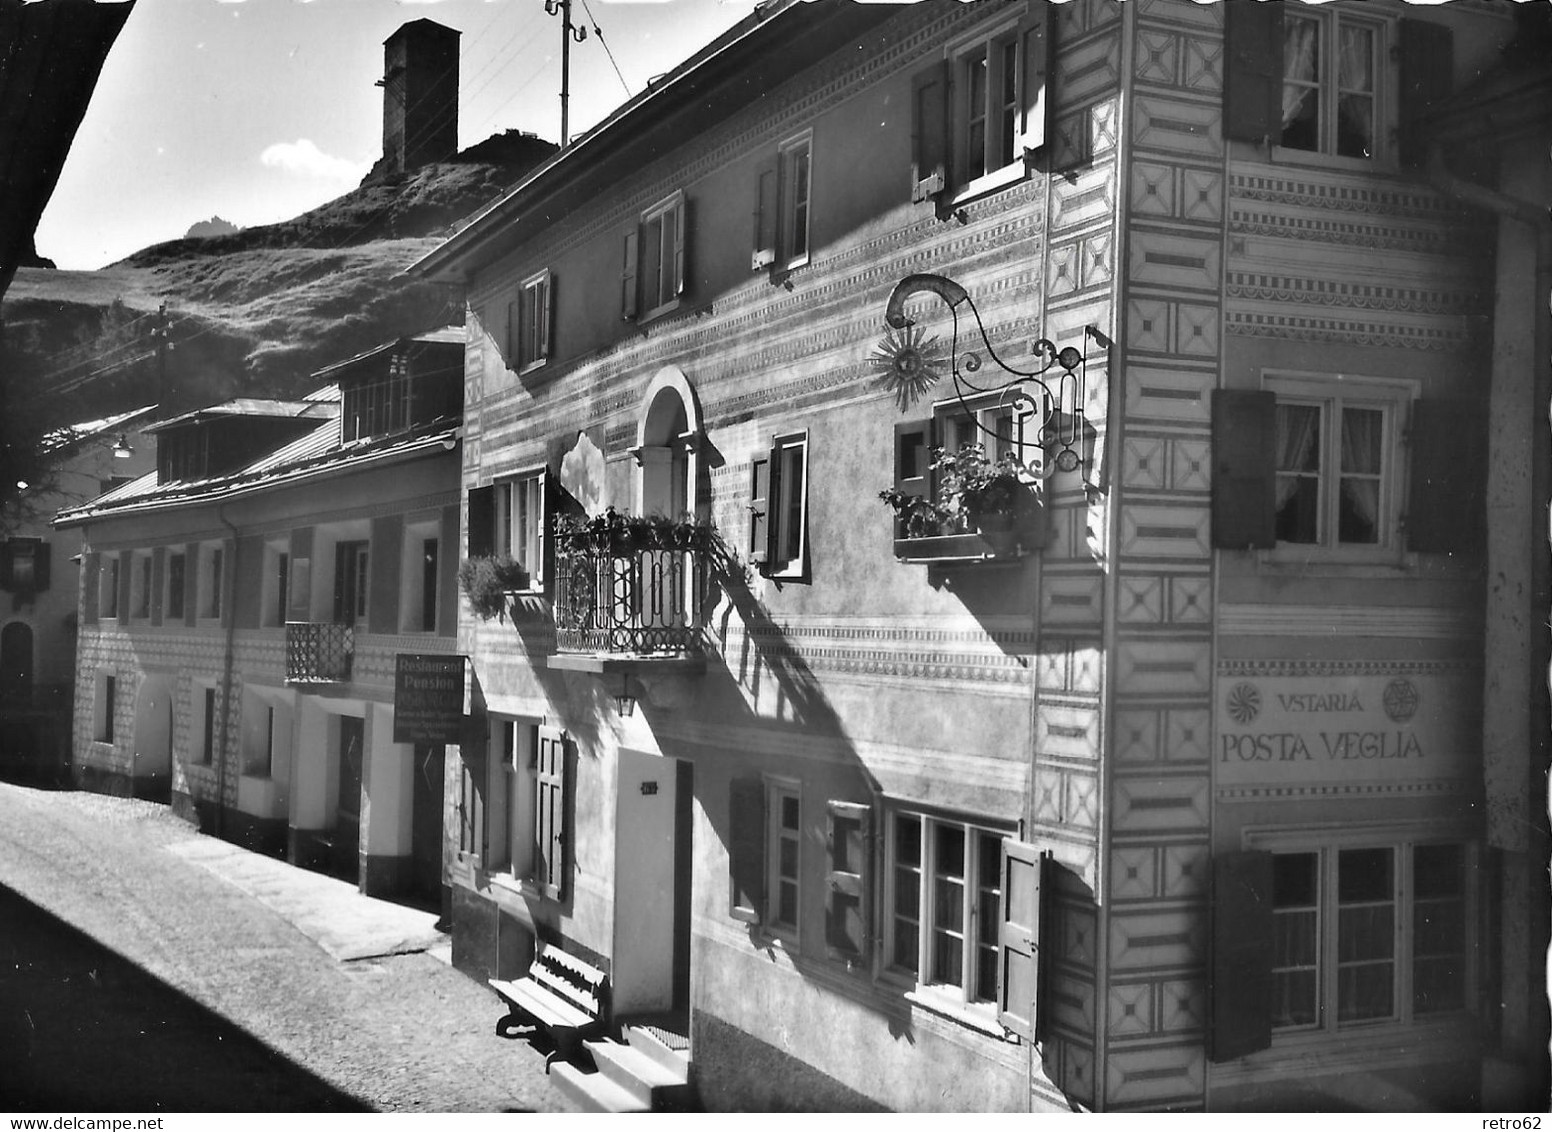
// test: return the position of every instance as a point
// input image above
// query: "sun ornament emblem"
(1400, 700)
(909, 364)
(1244, 703)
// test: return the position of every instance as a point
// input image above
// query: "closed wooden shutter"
(746, 849)
(550, 803)
(765, 217)
(1240, 977)
(385, 564)
(848, 901)
(482, 522)
(1034, 40)
(1244, 482)
(628, 274)
(1446, 506)
(544, 311)
(1018, 937)
(1427, 60)
(1253, 78)
(760, 507)
(248, 593)
(91, 567)
(126, 584)
(191, 573)
(929, 132)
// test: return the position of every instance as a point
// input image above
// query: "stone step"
(642, 1038)
(593, 1092)
(652, 1083)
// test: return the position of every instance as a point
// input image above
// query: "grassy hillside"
(255, 311)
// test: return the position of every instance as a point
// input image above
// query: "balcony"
(319, 652)
(623, 608)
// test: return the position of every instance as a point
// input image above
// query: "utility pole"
(568, 32)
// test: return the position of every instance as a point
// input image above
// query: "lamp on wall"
(121, 448)
(624, 702)
(1055, 393)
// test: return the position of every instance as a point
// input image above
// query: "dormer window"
(379, 405)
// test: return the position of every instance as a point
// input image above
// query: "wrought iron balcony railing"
(319, 652)
(633, 602)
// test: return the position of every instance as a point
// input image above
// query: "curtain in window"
(1362, 439)
(1355, 81)
(1298, 431)
(1299, 39)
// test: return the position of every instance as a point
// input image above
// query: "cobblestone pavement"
(398, 1033)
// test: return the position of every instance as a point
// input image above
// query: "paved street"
(243, 984)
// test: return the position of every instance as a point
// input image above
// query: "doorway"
(426, 827)
(153, 740)
(653, 862)
(347, 809)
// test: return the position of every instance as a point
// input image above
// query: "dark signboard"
(428, 699)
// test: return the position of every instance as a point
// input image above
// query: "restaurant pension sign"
(1295, 722)
(428, 699)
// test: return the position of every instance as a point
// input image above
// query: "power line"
(599, 32)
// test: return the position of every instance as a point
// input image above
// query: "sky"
(258, 110)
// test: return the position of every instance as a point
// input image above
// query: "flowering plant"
(487, 580)
(970, 489)
(617, 533)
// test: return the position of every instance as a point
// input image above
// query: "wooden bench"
(562, 995)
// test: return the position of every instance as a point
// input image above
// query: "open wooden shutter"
(1240, 977)
(544, 318)
(158, 583)
(760, 507)
(1034, 42)
(765, 218)
(1018, 937)
(514, 333)
(913, 462)
(1253, 79)
(191, 574)
(1447, 447)
(746, 849)
(929, 132)
(628, 274)
(550, 801)
(848, 903)
(387, 556)
(482, 522)
(1427, 59)
(1244, 478)
(549, 507)
(91, 568)
(681, 215)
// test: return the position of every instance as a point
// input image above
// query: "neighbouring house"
(39, 586)
(1130, 754)
(247, 606)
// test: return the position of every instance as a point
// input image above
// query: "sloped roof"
(252, 407)
(442, 336)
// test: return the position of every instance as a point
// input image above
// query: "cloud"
(305, 159)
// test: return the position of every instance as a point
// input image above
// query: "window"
(944, 897)
(783, 855)
(1330, 96)
(421, 573)
(778, 535)
(24, 565)
(529, 323)
(108, 600)
(175, 584)
(351, 578)
(277, 583)
(523, 524)
(1350, 86)
(207, 721)
(139, 586)
(1369, 932)
(105, 700)
(1312, 468)
(379, 405)
(654, 276)
(782, 206)
(979, 113)
(266, 736)
(527, 818)
(471, 813)
(211, 581)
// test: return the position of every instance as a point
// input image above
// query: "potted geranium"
(612, 532)
(488, 582)
(981, 508)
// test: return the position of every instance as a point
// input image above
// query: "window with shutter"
(746, 849)
(783, 855)
(759, 508)
(551, 790)
(848, 905)
(796, 161)
(1240, 983)
(785, 519)
(1252, 90)
(524, 518)
(1018, 937)
(533, 322)
(659, 270)
(929, 132)
(628, 275)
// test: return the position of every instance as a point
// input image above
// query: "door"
(426, 826)
(651, 884)
(350, 582)
(347, 812)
